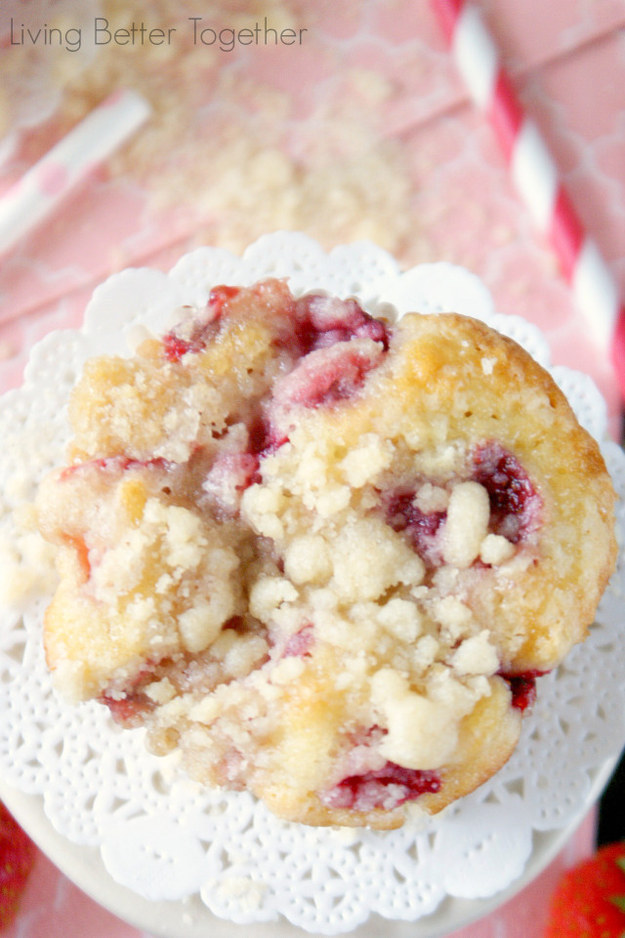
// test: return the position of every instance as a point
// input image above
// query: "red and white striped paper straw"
(40, 190)
(536, 176)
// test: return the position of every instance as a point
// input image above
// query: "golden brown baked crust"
(322, 555)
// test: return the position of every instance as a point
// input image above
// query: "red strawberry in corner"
(17, 854)
(589, 901)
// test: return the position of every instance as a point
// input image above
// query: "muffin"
(324, 556)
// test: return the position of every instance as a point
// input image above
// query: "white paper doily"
(156, 832)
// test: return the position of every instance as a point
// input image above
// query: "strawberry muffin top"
(325, 556)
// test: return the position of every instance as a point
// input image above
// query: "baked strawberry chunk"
(514, 502)
(300, 644)
(421, 528)
(182, 339)
(326, 376)
(321, 321)
(523, 688)
(387, 788)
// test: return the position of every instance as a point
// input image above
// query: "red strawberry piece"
(523, 687)
(300, 644)
(17, 855)
(515, 505)
(388, 787)
(589, 901)
(328, 375)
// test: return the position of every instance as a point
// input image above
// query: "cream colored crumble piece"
(366, 461)
(476, 655)
(466, 526)
(430, 498)
(496, 549)
(369, 559)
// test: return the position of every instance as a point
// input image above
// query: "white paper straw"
(537, 178)
(36, 195)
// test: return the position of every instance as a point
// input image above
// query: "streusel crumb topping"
(313, 550)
